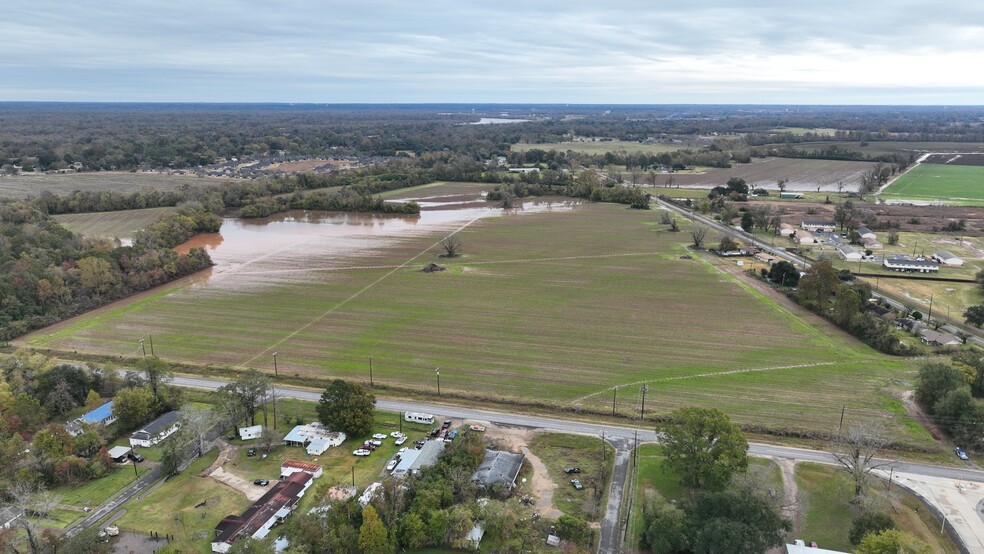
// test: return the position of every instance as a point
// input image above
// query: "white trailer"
(416, 417)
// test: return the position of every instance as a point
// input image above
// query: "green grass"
(121, 224)
(568, 304)
(95, 492)
(60, 519)
(170, 508)
(558, 451)
(939, 182)
(828, 513)
(122, 181)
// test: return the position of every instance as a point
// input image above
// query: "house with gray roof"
(498, 468)
(157, 430)
(947, 258)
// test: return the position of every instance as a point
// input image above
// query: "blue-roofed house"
(100, 417)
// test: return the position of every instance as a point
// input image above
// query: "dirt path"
(226, 451)
(542, 487)
(790, 490)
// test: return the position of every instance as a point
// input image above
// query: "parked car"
(572, 470)
(376, 442)
(447, 423)
(368, 446)
(479, 428)
(961, 453)
(397, 434)
(401, 451)
(112, 530)
(362, 452)
(379, 436)
(135, 457)
(577, 484)
(231, 438)
(401, 440)
(391, 465)
(453, 434)
(251, 452)
(261, 482)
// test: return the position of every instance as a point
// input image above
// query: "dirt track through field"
(354, 296)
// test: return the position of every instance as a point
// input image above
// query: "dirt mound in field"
(431, 268)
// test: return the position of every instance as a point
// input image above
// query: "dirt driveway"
(542, 486)
(252, 492)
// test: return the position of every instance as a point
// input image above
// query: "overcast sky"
(783, 51)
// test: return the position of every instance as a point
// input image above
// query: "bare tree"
(198, 424)
(840, 187)
(855, 451)
(698, 234)
(507, 200)
(451, 245)
(674, 226)
(665, 218)
(33, 504)
(782, 184)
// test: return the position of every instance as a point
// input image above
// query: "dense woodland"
(130, 136)
(47, 273)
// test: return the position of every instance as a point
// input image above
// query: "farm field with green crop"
(122, 181)
(950, 184)
(120, 224)
(554, 304)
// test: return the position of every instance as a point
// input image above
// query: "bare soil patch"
(542, 487)
(300, 166)
(928, 218)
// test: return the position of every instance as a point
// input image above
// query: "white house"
(935, 338)
(822, 226)
(315, 437)
(805, 237)
(848, 253)
(911, 266)
(786, 230)
(251, 432)
(947, 258)
(157, 430)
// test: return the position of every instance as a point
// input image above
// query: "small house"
(848, 253)
(251, 432)
(315, 437)
(801, 548)
(805, 237)
(157, 430)
(866, 233)
(818, 225)
(930, 337)
(118, 453)
(101, 416)
(498, 468)
(947, 258)
(259, 519)
(290, 467)
(790, 195)
(786, 230)
(766, 258)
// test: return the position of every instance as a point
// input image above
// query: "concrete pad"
(958, 501)
(252, 492)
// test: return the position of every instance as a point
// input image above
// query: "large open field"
(122, 224)
(801, 175)
(558, 305)
(939, 183)
(123, 181)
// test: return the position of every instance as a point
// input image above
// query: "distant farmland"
(801, 174)
(601, 147)
(555, 308)
(945, 183)
(122, 224)
(124, 181)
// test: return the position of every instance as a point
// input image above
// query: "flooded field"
(556, 302)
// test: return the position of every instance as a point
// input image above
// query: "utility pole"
(642, 410)
(370, 371)
(151, 345)
(274, 386)
(276, 371)
(144, 348)
(614, 392)
(438, 371)
(930, 316)
(841, 424)
(135, 473)
(604, 455)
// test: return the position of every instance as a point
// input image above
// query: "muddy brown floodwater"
(280, 246)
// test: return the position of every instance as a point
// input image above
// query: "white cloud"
(542, 51)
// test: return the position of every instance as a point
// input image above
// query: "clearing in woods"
(556, 307)
(22, 186)
(946, 183)
(121, 224)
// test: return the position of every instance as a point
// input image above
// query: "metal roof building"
(498, 468)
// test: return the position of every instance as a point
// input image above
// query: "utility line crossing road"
(622, 437)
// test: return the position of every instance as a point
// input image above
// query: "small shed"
(118, 453)
(805, 237)
(848, 253)
(251, 432)
(947, 258)
(786, 230)
(866, 233)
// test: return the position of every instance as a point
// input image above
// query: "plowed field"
(555, 304)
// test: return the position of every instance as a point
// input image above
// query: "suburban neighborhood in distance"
(491, 278)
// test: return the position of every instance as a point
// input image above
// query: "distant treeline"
(344, 200)
(133, 136)
(47, 273)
